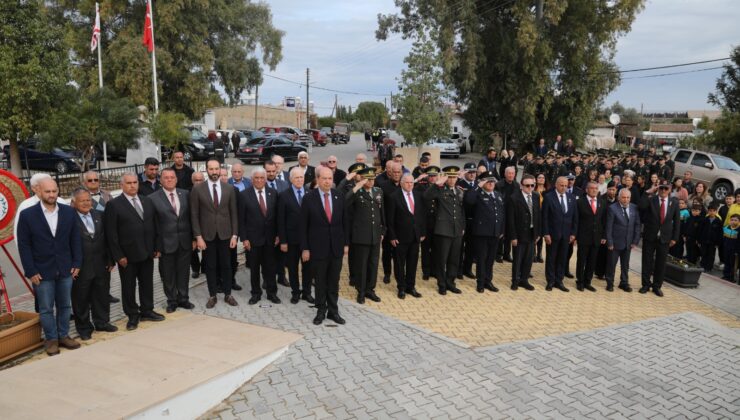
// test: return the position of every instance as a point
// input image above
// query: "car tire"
(61, 167)
(721, 190)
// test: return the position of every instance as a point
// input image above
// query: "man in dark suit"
(214, 218)
(195, 262)
(100, 198)
(507, 187)
(339, 175)
(129, 230)
(392, 184)
(282, 174)
(523, 225)
(622, 236)
(662, 226)
(279, 186)
(591, 235)
(467, 252)
(406, 221)
(324, 242)
(309, 172)
(91, 288)
(174, 239)
(559, 228)
(289, 233)
(258, 232)
(488, 222)
(51, 254)
(149, 179)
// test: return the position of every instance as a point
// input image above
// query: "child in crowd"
(691, 234)
(677, 250)
(723, 212)
(710, 237)
(731, 247)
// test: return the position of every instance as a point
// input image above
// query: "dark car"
(262, 149)
(58, 159)
(197, 148)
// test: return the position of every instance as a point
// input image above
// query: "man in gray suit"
(214, 219)
(174, 239)
(622, 235)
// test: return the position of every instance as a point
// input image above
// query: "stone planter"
(682, 275)
(20, 338)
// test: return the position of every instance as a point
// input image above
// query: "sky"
(336, 40)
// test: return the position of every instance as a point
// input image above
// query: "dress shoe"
(107, 328)
(589, 288)
(69, 343)
(113, 299)
(414, 293)
(336, 318)
(171, 308)
(283, 282)
(361, 299)
(132, 324)
(459, 276)
(499, 260)
(386, 279)
(528, 286)
(52, 347)
(609, 288)
(318, 320)
(625, 287)
(469, 274)
(372, 296)
(644, 290)
(401, 294)
(186, 305)
(274, 299)
(514, 287)
(531, 276)
(442, 291)
(658, 292)
(308, 298)
(579, 287)
(479, 289)
(569, 275)
(425, 277)
(548, 288)
(195, 274)
(454, 290)
(562, 288)
(508, 259)
(539, 260)
(151, 316)
(231, 301)
(211, 302)
(85, 336)
(491, 287)
(294, 299)
(254, 299)
(236, 287)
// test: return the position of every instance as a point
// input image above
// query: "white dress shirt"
(52, 218)
(408, 203)
(218, 189)
(177, 200)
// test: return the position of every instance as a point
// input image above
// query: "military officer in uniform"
(422, 185)
(365, 212)
(449, 227)
(467, 253)
(485, 208)
(346, 185)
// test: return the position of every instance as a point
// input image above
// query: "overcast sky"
(336, 40)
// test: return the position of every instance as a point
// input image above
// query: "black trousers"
(137, 272)
(352, 275)
(557, 257)
(387, 258)
(522, 265)
(292, 259)
(693, 252)
(406, 262)
(468, 254)
(90, 294)
(195, 264)
(326, 272)
(504, 248)
(261, 261)
(425, 248)
(217, 259)
(446, 258)
(585, 263)
(708, 252)
(234, 264)
(600, 266)
(279, 264)
(623, 255)
(485, 250)
(653, 263)
(174, 271)
(539, 247)
(365, 261)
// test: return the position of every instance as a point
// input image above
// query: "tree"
(423, 114)
(33, 69)
(168, 129)
(344, 114)
(518, 74)
(327, 122)
(726, 134)
(373, 112)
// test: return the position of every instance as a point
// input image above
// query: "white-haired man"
(309, 172)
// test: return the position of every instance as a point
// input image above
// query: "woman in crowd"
(678, 189)
(701, 195)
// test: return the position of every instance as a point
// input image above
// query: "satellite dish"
(614, 119)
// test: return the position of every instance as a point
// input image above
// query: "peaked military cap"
(356, 167)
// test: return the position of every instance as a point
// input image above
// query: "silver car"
(720, 173)
(447, 147)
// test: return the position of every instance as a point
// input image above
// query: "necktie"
(531, 215)
(562, 203)
(327, 207)
(626, 215)
(215, 196)
(662, 210)
(89, 224)
(593, 205)
(263, 207)
(174, 204)
(300, 196)
(411, 202)
(138, 208)
(272, 185)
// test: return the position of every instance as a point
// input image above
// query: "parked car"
(319, 137)
(248, 135)
(447, 147)
(58, 159)
(197, 148)
(293, 133)
(262, 149)
(720, 173)
(461, 141)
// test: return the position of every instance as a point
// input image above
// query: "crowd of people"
(297, 225)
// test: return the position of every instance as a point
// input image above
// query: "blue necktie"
(300, 196)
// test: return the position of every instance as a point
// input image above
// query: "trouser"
(279, 264)
(600, 266)
(504, 248)
(406, 261)
(693, 252)
(326, 273)
(708, 252)
(352, 275)
(522, 265)
(585, 263)
(731, 262)
(677, 250)
(387, 258)
(292, 259)
(426, 247)
(140, 272)
(446, 258)
(623, 255)
(567, 260)
(653, 257)
(235, 264)
(557, 256)
(467, 253)
(539, 247)
(262, 266)
(217, 259)
(90, 295)
(365, 260)
(54, 293)
(173, 269)
(195, 263)
(485, 250)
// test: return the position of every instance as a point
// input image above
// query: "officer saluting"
(346, 185)
(487, 208)
(365, 211)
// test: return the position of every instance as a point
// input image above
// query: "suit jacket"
(621, 233)
(519, 219)
(95, 255)
(488, 214)
(667, 231)
(209, 221)
(280, 185)
(323, 238)
(339, 175)
(127, 234)
(308, 176)
(44, 253)
(449, 212)
(255, 227)
(289, 217)
(556, 223)
(173, 231)
(401, 224)
(591, 227)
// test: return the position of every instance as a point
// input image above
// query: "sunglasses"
(528, 185)
(92, 180)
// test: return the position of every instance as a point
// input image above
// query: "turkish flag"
(148, 38)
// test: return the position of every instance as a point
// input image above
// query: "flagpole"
(154, 61)
(100, 76)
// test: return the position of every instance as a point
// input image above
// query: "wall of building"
(242, 116)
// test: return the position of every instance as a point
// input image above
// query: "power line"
(674, 73)
(323, 88)
(664, 67)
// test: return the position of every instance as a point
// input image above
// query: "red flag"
(96, 30)
(148, 38)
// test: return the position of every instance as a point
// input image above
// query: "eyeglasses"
(92, 180)
(332, 161)
(528, 185)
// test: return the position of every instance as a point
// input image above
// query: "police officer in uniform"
(366, 216)
(467, 253)
(430, 175)
(449, 227)
(485, 210)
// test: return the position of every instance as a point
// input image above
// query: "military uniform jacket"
(487, 213)
(449, 217)
(366, 213)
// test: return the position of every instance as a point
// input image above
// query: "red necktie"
(662, 210)
(593, 205)
(411, 202)
(263, 207)
(215, 196)
(327, 206)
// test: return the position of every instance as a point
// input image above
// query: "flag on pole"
(148, 38)
(96, 30)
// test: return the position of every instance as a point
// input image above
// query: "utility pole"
(256, 104)
(539, 9)
(308, 104)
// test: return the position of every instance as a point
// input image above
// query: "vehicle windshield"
(257, 141)
(197, 135)
(725, 163)
(443, 141)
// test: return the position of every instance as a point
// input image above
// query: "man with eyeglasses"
(339, 174)
(523, 224)
(99, 199)
(309, 172)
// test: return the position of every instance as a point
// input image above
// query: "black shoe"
(459, 276)
(274, 299)
(401, 294)
(644, 290)
(491, 287)
(479, 289)
(531, 276)
(499, 259)
(386, 279)
(186, 305)
(579, 287)
(514, 287)
(442, 291)
(508, 259)
(609, 288)
(113, 299)
(107, 328)
(133, 323)
(562, 288)
(454, 290)
(425, 277)
(283, 282)
(336, 318)
(151, 316)
(569, 275)
(254, 299)
(294, 299)
(469, 275)
(589, 288)
(236, 287)
(372, 296)
(625, 287)
(539, 260)
(414, 293)
(658, 292)
(308, 298)
(528, 286)
(195, 274)
(361, 299)
(171, 308)
(318, 320)
(548, 288)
